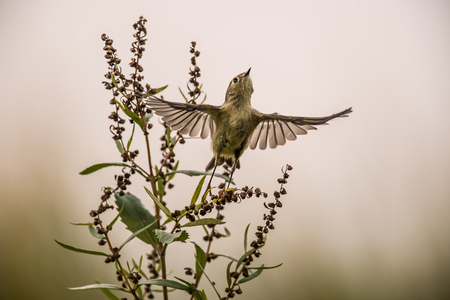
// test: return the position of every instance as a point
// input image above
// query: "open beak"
(248, 72)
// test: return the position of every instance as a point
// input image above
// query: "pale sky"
(369, 197)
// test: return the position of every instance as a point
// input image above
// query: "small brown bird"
(235, 125)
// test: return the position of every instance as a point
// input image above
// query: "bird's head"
(240, 88)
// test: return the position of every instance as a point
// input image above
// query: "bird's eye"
(235, 80)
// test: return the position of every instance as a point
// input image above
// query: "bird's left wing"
(189, 119)
(276, 129)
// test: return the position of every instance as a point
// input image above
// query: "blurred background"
(368, 204)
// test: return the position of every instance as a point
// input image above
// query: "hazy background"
(367, 213)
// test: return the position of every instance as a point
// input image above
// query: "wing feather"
(255, 136)
(276, 129)
(264, 134)
(192, 119)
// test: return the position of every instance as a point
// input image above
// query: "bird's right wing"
(189, 119)
(276, 129)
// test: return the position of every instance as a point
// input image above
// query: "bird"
(235, 125)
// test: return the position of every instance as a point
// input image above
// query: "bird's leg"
(209, 183)
(210, 179)
(231, 173)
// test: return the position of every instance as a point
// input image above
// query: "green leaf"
(136, 217)
(138, 267)
(182, 94)
(244, 257)
(200, 258)
(264, 268)
(167, 282)
(115, 84)
(168, 131)
(251, 276)
(99, 286)
(198, 173)
(157, 91)
(97, 167)
(167, 238)
(207, 277)
(110, 226)
(205, 221)
(157, 202)
(229, 274)
(94, 232)
(160, 187)
(159, 182)
(131, 138)
(198, 190)
(119, 146)
(245, 237)
(137, 233)
(81, 224)
(81, 250)
(227, 256)
(132, 115)
(108, 293)
(175, 167)
(202, 295)
(196, 292)
(227, 232)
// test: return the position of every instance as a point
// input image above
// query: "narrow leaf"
(119, 146)
(167, 282)
(245, 237)
(203, 295)
(97, 167)
(99, 286)
(81, 250)
(81, 224)
(250, 277)
(192, 287)
(132, 115)
(108, 293)
(205, 221)
(264, 268)
(212, 284)
(198, 190)
(168, 131)
(182, 94)
(136, 217)
(200, 258)
(175, 167)
(244, 257)
(94, 233)
(137, 233)
(227, 256)
(167, 238)
(157, 202)
(229, 274)
(160, 188)
(110, 226)
(157, 91)
(131, 138)
(138, 267)
(198, 173)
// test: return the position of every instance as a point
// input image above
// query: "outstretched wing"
(189, 119)
(276, 129)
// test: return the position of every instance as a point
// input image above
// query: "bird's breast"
(233, 130)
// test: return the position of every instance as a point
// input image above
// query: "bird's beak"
(248, 72)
